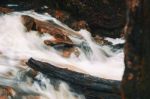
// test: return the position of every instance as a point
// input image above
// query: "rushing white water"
(17, 46)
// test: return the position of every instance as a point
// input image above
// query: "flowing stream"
(17, 46)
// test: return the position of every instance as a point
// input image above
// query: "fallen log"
(92, 87)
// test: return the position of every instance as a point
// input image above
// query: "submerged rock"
(101, 41)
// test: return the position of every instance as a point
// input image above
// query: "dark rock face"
(104, 17)
(136, 77)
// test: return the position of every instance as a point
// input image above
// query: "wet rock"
(76, 52)
(5, 10)
(32, 73)
(10, 91)
(101, 41)
(47, 27)
(67, 52)
(59, 42)
(77, 25)
(28, 22)
(2, 92)
(6, 91)
(61, 36)
(66, 48)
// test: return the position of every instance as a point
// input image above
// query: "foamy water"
(17, 46)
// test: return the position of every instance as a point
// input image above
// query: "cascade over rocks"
(91, 87)
(46, 27)
(61, 36)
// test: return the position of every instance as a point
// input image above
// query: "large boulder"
(45, 27)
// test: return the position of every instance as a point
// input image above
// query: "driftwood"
(92, 87)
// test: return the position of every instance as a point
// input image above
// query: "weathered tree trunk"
(136, 79)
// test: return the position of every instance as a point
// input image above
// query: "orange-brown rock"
(5, 10)
(47, 27)
(58, 42)
(68, 47)
(67, 52)
(59, 33)
(10, 91)
(7, 91)
(100, 40)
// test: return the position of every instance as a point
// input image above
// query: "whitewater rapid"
(17, 46)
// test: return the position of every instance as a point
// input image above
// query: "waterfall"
(17, 46)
